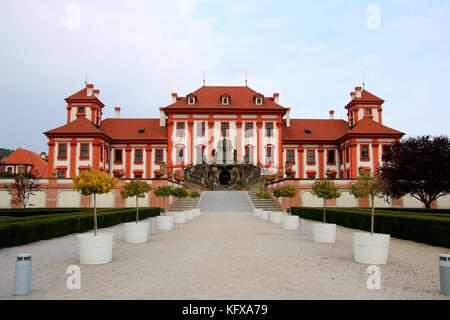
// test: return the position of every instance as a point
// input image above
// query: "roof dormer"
(191, 99)
(259, 99)
(225, 99)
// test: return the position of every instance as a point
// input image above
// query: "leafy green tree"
(263, 195)
(164, 192)
(325, 190)
(286, 192)
(366, 186)
(135, 188)
(180, 193)
(93, 182)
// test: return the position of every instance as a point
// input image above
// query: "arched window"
(179, 153)
(248, 155)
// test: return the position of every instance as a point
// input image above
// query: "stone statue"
(280, 174)
(54, 172)
(170, 174)
(162, 169)
(288, 169)
(235, 155)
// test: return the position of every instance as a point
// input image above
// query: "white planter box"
(189, 215)
(179, 217)
(136, 232)
(196, 212)
(371, 248)
(164, 222)
(324, 232)
(257, 212)
(95, 250)
(290, 222)
(276, 217)
(264, 215)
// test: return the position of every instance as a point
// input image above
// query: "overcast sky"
(138, 52)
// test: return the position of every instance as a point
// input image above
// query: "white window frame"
(225, 101)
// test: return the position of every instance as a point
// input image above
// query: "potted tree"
(369, 248)
(290, 222)
(164, 221)
(136, 232)
(326, 190)
(242, 184)
(94, 248)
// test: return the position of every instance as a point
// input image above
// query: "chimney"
(174, 97)
(43, 154)
(275, 97)
(117, 109)
(358, 91)
(288, 118)
(331, 114)
(162, 118)
(96, 92)
(353, 95)
(90, 88)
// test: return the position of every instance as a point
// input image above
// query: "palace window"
(249, 129)
(311, 159)
(269, 158)
(84, 154)
(331, 157)
(159, 156)
(61, 173)
(101, 153)
(259, 101)
(191, 100)
(118, 156)
(180, 128)
(269, 128)
(62, 150)
(225, 129)
(200, 155)
(201, 129)
(225, 101)
(311, 175)
(291, 156)
(80, 109)
(138, 156)
(367, 111)
(248, 157)
(347, 154)
(364, 152)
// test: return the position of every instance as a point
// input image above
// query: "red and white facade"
(219, 123)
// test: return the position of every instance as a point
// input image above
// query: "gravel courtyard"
(226, 255)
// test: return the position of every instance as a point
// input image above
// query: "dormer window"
(258, 98)
(191, 100)
(259, 101)
(225, 99)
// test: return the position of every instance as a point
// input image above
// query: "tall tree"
(23, 187)
(419, 167)
(93, 182)
(325, 190)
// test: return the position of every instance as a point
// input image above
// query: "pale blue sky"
(138, 52)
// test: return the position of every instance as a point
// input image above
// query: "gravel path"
(230, 255)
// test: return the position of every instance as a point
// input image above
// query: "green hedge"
(18, 231)
(424, 228)
(416, 210)
(39, 211)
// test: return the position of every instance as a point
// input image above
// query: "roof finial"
(246, 79)
(363, 82)
(85, 80)
(203, 78)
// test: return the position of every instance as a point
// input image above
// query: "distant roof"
(240, 97)
(366, 96)
(26, 157)
(129, 129)
(369, 126)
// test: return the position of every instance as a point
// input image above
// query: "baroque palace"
(214, 131)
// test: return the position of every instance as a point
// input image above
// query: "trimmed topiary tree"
(325, 190)
(135, 188)
(93, 183)
(163, 191)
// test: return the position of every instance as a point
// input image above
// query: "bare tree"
(23, 187)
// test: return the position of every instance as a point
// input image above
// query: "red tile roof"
(366, 96)
(26, 157)
(320, 129)
(240, 97)
(80, 125)
(128, 129)
(369, 126)
(82, 96)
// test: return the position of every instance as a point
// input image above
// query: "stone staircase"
(265, 204)
(184, 204)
